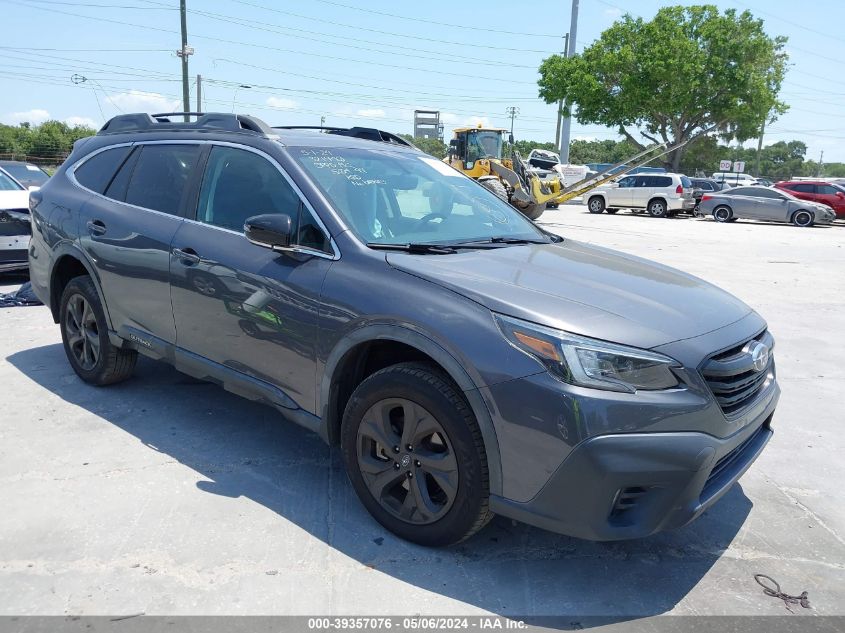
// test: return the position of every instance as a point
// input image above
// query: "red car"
(817, 191)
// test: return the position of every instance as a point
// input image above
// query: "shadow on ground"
(244, 449)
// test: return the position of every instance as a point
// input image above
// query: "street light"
(235, 97)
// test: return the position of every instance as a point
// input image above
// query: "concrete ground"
(163, 495)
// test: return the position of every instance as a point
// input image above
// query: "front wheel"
(595, 204)
(414, 454)
(85, 336)
(495, 186)
(802, 218)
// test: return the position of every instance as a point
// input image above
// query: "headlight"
(588, 362)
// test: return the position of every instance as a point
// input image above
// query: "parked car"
(28, 174)
(467, 361)
(763, 182)
(14, 224)
(820, 191)
(700, 186)
(661, 195)
(764, 203)
(733, 179)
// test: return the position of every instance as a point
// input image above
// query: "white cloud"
(140, 101)
(73, 121)
(372, 113)
(34, 116)
(280, 103)
(613, 13)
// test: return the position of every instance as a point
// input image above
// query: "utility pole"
(512, 111)
(322, 121)
(199, 93)
(558, 114)
(759, 149)
(566, 128)
(821, 163)
(185, 52)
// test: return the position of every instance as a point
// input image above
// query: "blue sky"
(363, 62)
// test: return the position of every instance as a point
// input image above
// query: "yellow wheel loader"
(477, 152)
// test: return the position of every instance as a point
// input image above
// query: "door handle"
(188, 256)
(96, 227)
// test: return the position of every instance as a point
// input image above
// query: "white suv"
(661, 195)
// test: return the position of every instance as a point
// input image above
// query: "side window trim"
(303, 203)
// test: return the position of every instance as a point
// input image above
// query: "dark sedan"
(763, 203)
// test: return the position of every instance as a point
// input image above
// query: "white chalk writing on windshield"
(338, 165)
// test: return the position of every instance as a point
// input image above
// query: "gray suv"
(467, 362)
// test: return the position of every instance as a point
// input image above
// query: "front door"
(243, 307)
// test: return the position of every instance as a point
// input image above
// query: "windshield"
(27, 173)
(483, 144)
(390, 197)
(7, 184)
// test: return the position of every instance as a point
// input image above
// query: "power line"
(461, 26)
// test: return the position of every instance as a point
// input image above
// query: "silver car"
(763, 203)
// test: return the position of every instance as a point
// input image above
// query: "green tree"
(688, 72)
(433, 146)
(49, 142)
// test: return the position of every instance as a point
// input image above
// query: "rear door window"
(828, 190)
(160, 178)
(803, 187)
(96, 172)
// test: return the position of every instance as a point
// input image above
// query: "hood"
(583, 289)
(16, 199)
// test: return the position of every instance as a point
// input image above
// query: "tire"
(612, 211)
(532, 211)
(85, 336)
(596, 204)
(495, 185)
(657, 208)
(802, 218)
(376, 443)
(722, 213)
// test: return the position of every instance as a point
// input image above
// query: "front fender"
(418, 340)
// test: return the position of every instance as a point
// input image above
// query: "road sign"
(739, 166)
(724, 165)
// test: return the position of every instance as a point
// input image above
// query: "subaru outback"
(467, 362)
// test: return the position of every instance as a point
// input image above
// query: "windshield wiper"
(418, 248)
(502, 239)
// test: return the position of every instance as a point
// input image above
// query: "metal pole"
(199, 93)
(186, 97)
(821, 164)
(560, 102)
(566, 128)
(759, 150)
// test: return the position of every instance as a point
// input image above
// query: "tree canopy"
(688, 72)
(48, 143)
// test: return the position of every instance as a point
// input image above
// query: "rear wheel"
(657, 208)
(722, 214)
(495, 185)
(414, 454)
(802, 218)
(595, 204)
(85, 336)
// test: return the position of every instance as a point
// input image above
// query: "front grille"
(732, 378)
(730, 462)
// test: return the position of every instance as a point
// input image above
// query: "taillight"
(680, 189)
(705, 197)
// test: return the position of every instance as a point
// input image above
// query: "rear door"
(803, 190)
(126, 230)
(245, 308)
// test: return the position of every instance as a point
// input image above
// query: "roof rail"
(205, 121)
(366, 133)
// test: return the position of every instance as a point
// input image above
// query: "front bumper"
(631, 485)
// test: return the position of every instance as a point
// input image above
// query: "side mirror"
(270, 230)
(839, 194)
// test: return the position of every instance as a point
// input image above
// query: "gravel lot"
(165, 495)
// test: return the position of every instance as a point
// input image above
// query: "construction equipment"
(477, 152)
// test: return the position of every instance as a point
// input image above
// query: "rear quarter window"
(661, 181)
(96, 172)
